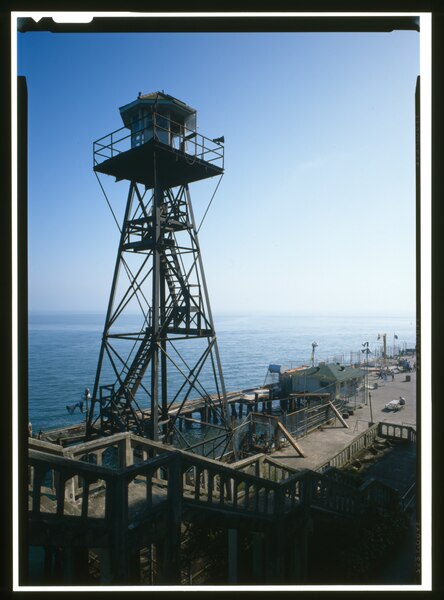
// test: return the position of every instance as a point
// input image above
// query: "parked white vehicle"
(396, 404)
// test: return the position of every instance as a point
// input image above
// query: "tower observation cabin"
(173, 120)
(159, 123)
(149, 367)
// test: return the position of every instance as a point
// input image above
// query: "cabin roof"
(328, 372)
(155, 99)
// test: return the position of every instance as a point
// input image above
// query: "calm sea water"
(64, 348)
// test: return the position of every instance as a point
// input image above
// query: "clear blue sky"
(316, 210)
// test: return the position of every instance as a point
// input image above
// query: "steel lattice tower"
(144, 369)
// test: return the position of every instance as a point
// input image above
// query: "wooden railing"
(389, 431)
(113, 483)
(304, 420)
(394, 431)
(145, 475)
(376, 493)
(225, 488)
(330, 495)
(263, 465)
(344, 456)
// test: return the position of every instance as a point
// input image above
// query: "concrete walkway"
(320, 445)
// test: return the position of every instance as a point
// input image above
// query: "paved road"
(392, 390)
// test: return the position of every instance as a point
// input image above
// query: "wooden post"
(276, 543)
(81, 570)
(68, 565)
(129, 457)
(277, 444)
(47, 565)
(134, 567)
(150, 556)
(75, 565)
(118, 495)
(105, 564)
(172, 545)
(290, 438)
(36, 485)
(232, 556)
(335, 410)
(60, 491)
(85, 497)
(210, 487)
(121, 450)
(298, 552)
(258, 558)
(58, 564)
(197, 474)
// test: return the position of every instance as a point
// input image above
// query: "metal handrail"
(205, 149)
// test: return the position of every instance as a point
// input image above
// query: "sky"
(315, 213)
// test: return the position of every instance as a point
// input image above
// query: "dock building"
(341, 381)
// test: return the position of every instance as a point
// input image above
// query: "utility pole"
(366, 350)
(314, 345)
(384, 340)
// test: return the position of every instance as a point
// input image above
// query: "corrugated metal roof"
(161, 97)
(329, 372)
(176, 107)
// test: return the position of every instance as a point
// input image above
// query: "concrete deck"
(320, 445)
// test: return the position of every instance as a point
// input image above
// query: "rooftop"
(328, 371)
(177, 108)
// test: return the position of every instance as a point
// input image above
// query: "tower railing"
(171, 134)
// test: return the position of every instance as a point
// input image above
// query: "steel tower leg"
(95, 399)
(207, 301)
(155, 309)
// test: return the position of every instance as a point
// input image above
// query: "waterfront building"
(338, 380)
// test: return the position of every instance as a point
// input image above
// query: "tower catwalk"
(159, 345)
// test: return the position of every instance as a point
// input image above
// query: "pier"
(252, 402)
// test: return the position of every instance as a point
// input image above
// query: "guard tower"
(159, 346)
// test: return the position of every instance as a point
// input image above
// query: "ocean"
(63, 351)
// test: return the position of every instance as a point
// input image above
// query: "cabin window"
(163, 129)
(141, 129)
